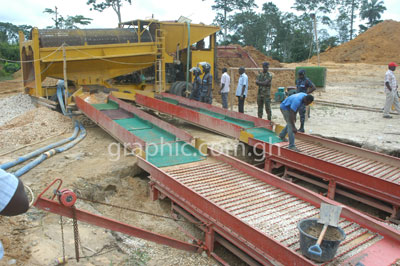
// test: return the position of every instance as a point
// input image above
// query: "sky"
(30, 12)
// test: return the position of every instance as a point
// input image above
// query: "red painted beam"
(258, 122)
(191, 116)
(83, 216)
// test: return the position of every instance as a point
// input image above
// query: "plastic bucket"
(328, 247)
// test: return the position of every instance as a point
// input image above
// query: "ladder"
(159, 70)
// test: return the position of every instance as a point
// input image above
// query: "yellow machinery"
(143, 56)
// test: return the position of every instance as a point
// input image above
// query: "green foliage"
(316, 6)
(9, 32)
(100, 6)
(70, 22)
(9, 51)
(138, 257)
(11, 67)
(372, 11)
(224, 7)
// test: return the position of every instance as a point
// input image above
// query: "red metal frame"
(203, 120)
(53, 206)
(357, 181)
(215, 219)
(118, 132)
(121, 134)
(254, 242)
(258, 122)
(334, 173)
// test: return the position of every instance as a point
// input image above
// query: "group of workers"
(202, 91)
(289, 107)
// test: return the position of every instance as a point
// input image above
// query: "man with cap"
(391, 91)
(289, 108)
(206, 85)
(305, 85)
(242, 88)
(263, 81)
(196, 87)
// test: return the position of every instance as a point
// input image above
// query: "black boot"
(301, 129)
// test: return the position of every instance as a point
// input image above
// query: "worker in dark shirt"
(305, 85)
(195, 93)
(206, 86)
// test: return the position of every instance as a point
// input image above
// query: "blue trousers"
(288, 129)
(224, 96)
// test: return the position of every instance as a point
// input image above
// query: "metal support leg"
(209, 239)
(268, 164)
(331, 189)
(154, 193)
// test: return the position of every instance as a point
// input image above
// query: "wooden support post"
(65, 75)
(231, 92)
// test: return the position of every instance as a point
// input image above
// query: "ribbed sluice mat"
(265, 207)
(357, 163)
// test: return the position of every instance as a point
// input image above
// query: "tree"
(9, 32)
(372, 11)
(115, 4)
(224, 7)
(315, 6)
(249, 29)
(69, 22)
(347, 15)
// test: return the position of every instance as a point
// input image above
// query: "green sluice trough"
(110, 105)
(264, 134)
(172, 153)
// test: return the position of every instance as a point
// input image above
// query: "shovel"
(329, 215)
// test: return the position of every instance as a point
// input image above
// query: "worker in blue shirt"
(13, 199)
(289, 108)
(303, 84)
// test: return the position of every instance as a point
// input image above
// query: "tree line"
(285, 36)
(288, 37)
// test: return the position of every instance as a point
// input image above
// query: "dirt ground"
(88, 169)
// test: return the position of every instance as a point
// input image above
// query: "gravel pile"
(33, 126)
(14, 106)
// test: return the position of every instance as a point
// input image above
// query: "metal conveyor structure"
(372, 174)
(249, 211)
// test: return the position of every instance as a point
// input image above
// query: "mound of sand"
(280, 79)
(378, 45)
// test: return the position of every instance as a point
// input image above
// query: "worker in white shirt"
(225, 82)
